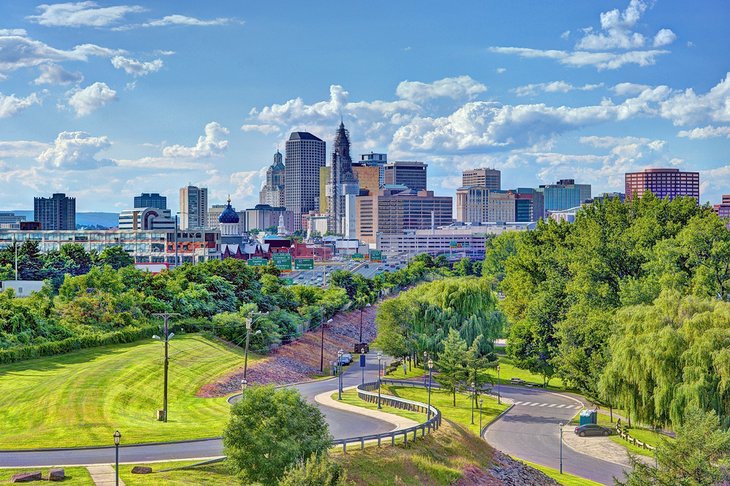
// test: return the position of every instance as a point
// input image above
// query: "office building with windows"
(273, 192)
(140, 219)
(150, 200)
(406, 173)
(57, 212)
(193, 207)
(564, 194)
(305, 154)
(489, 178)
(669, 183)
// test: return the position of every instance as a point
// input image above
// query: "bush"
(316, 471)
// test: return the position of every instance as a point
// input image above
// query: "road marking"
(518, 403)
(552, 405)
(543, 404)
(533, 404)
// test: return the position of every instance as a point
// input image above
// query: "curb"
(491, 422)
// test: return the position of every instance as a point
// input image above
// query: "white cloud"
(210, 145)
(135, 67)
(82, 14)
(456, 88)
(689, 107)
(565, 35)
(75, 151)
(624, 89)
(501, 70)
(601, 60)
(261, 128)
(616, 29)
(183, 20)
(664, 37)
(18, 52)
(553, 87)
(20, 32)
(705, 132)
(55, 74)
(11, 105)
(87, 100)
(21, 148)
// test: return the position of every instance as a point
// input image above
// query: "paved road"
(342, 424)
(530, 431)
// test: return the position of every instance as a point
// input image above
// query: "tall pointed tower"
(342, 182)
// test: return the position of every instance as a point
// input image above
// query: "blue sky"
(103, 100)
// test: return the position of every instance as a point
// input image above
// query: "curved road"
(342, 424)
(530, 431)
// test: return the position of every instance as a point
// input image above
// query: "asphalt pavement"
(530, 431)
(342, 424)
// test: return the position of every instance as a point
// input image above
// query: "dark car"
(589, 430)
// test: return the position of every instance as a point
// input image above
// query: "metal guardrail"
(364, 392)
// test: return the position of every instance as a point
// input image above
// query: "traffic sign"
(376, 255)
(288, 281)
(362, 361)
(357, 256)
(257, 262)
(304, 264)
(282, 261)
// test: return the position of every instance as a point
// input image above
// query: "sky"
(104, 100)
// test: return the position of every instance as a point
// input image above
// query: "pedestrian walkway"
(103, 475)
(548, 405)
(397, 421)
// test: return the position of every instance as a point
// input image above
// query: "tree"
(316, 471)
(115, 257)
(453, 363)
(270, 430)
(699, 456)
(463, 268)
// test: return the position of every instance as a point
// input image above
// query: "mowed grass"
(75, 476)
(81, 398)
(565, 479)
(350, 397)
(210, 474)
(507, 371)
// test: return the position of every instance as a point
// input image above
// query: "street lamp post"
(321, 349)
(425, 360)
(561, 447)
(166, 335)
(430, 369)
(339, 373)
(244, 385)
(380, 356)
(481, 402)
(473, 395)
(499, 397)
(117, 439)
(249, 322)
(361, 311)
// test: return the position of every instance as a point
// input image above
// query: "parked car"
(589, 430)
(346, 359)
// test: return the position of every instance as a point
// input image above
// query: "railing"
(624, 434)
(364, 392)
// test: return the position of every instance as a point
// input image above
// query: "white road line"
(551, 405)
(561, 406)
(526, 404)
(543, 404)
(533, 404)
(518, 403)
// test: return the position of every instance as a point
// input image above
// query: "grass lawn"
(414, 372)
(350, 397)
(443, 400)
(75, 476)
(81, 398)
(211, 474)
(565, 479)
(507, 370)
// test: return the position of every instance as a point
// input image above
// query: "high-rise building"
(193, 207)
(501, 206)
(273, 192)
(663, 183)
(489, 178)
(471, 204)
(142, 219)
(150, 200)
(342, 182)
(407, 173)
(324, 179)
(57, 212)
(368, 177)
(263, 217)
(305, 154)
(564, 194)
(10, 220)
(529, 205)
(393, 210)
(375, 160)
(723, 209)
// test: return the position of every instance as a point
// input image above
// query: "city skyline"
(106, 100)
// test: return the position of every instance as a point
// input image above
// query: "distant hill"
(106, 220)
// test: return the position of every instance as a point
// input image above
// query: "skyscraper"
(663, 183)
(564, 194)
(489, 178)
(305, 154)
(273, 192)
(342, 182)
(406, 173)
(150, 200)
(193, 207)
(57, 212)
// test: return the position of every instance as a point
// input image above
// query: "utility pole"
(166, 336)
(321, 348)
(176, 230)
(15, 245)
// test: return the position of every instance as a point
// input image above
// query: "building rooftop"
(303, 136)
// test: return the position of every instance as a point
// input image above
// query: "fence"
(624, 434)
(365, 392)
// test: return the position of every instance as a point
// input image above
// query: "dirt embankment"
(299, 361)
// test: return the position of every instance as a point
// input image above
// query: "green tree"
(315, 471)
(453, 363)
(700, 456)
(270, 430)
(115, 257)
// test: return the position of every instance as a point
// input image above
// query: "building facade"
(394, 210)
(368, 177)
(489, 178)
(501, 206)
(669, 183)
(140, 219)
(10, 220)
(723, 209)
(471, 204)
(57, 212)
(407, 173)
(193, 207)
(564, 194)
(273, 192)
(305, 154)
(342, 182)
(263, 216)
(150, 200)
(375, 160)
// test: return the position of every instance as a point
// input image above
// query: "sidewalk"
(599, 447)
(398, 421)
(103, 475)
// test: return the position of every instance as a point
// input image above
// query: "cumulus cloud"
(11, 105)
(600, 60)
(689, 107)
(454, 88)
(136, 68)
(20, 32)
(82, 14)
(182, 20)
(55, 74)
(705, 132)
(553, 87)
(87, 100)
(76, 151)
(209, 145)
(664, 37)
(261, 128)
(616, 29)
(624, 89)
